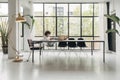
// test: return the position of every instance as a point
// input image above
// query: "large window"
(73, 20)
(3, 14)
(3, 9)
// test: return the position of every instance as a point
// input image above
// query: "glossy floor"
(62, 66)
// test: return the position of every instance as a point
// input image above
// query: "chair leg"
(76, 54)
(59, 53)
(29, 56)
(61, 50)
(40, 52)
(40, 56)
(32, 55)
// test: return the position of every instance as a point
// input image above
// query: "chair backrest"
(62, 44)
(30, 43)
(81, 43)
(72, 43)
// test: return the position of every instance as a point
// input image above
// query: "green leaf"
(113, 31)
(114, 18)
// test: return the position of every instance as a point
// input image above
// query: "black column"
(111, 36)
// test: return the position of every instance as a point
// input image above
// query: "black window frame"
(81, 17)
(68, 16)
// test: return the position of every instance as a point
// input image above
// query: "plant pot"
(5, 49)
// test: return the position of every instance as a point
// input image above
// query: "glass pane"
(97, 45)
(87, 9)
(74, 27)
(38, 9)
(49, 10)
(38, 27)
(96, 9)
(50, 24)
(88, 44)
(96, 27)
(4, 9)
(74, 10)
(62, 9)
(87, 26)
(62, 26)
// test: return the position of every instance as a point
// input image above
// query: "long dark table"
(91, 41)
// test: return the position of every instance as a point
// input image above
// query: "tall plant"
(4, 34)
(115, 19)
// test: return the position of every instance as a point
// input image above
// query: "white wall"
(13, 38)
(117, 7)
(27, 10)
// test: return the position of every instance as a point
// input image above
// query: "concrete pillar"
(12, 42)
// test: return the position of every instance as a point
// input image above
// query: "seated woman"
(48, 38)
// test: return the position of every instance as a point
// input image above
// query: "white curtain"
(103, 23)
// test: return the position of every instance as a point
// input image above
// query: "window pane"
(50, 24)
(87, 26)
(62, 26)
(62, 9)
(87, 9)
(88, 44)
(49, 10)
(38, 26)
(97, 44)
(4, 9)
(38, 9)
(96, 9)
(74, 27)
(74, 10)
(96, 27)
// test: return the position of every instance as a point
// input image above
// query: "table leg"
(91, 48)
(104, 52)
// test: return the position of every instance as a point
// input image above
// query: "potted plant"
(4, 34)
(115, 19)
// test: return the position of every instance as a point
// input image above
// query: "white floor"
(69, 66)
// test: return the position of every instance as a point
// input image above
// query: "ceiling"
(64, 0)
(71, 0)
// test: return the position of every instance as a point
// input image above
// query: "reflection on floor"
(62, 66)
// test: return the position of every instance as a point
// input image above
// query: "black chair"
(32, 48)
(62, 44)
(72, 44)
(81, 43)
